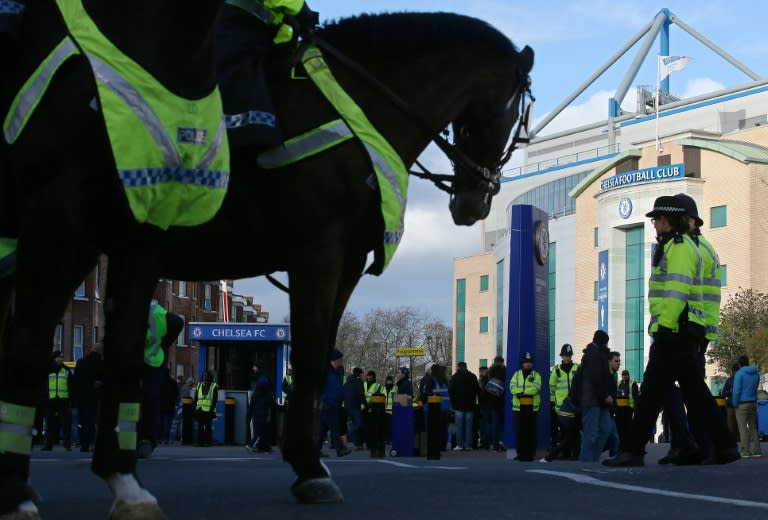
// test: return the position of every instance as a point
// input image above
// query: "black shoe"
(727, 456)
(624, 459)
(84, 449)
(672, 457)
(689, 457)
(343, 452)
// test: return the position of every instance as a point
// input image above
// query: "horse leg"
(27, 357)
(131, 279)
(314, 304)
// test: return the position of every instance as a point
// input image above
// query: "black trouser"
(673, 358)
(526, 433)
(554, 427)
(569, 444)
(624, 425)
(204, 427)
(86, 417)
(59, 416)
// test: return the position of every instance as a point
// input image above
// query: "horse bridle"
(460, 161)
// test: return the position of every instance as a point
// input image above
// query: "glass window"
(634, 303)
(180, 340)
(723, 275)
(58, 336)
(500, 307)
(483, 362)
(484, 324)
(77, 342)
(461, 288)
(95, 335)
(80, 291)
(182, 289)
(96, 281)
(552, 279)
(207, 300)
(597, 237)
(484, 283)
(718, 217)
(594, 296)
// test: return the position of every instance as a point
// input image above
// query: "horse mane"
(372, 34)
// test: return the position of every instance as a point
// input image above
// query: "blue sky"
(571, 39)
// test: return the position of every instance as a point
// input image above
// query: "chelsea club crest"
(542, 242)
(625, 207)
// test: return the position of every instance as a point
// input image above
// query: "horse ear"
(526, 59)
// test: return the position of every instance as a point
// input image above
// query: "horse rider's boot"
(132, 502)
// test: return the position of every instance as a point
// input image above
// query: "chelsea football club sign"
(670, 172)
(212, 331)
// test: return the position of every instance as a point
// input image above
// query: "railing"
(538, 167)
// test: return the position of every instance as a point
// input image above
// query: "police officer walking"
(59, 413)
(525, 387)
(678, 327)
(560, 381)
(626, 396)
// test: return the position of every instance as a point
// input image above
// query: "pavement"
(229, 482)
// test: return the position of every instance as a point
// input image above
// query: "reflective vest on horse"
(172, 154)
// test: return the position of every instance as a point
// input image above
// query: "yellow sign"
(409, 351)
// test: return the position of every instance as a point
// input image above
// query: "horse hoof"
(317, 491)
(140, 511)
(26, 511)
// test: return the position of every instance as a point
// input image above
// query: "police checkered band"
(154, 176)
(252, 117)
(668, 209)
(8, 7)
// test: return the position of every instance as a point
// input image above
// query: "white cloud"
(698, 86)
(594, 109)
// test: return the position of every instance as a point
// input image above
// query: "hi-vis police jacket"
(675, 284)
(711, 278)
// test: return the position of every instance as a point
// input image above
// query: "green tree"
(743, 330)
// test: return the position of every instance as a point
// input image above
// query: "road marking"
(396, 464)
(583, 479)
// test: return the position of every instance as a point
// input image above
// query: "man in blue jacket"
(330, 404)
(744, 400)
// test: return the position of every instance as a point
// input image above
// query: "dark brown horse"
(317, 219)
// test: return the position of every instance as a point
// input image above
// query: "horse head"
(498, 107)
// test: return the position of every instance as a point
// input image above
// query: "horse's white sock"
(126, 489)
(27, 507)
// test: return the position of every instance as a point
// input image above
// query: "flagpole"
(656, 104)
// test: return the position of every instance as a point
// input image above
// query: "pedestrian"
(426, 384)
(287, 387)
(727, 394)
(595, 397)
(525, 388)
(483, 408)
(260, 410)
(626, 396)
(206, 397)
(614, 364)
(87, 386)
(163, 328)
(389, 402)
(463, 390)
(404, 385)
(354, 405)
(678, 327)
(59, 412)
(560, 380)
(745, 385)
(496, 388)
(331, 403)
(370, 387)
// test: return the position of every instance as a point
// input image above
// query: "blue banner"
(201, 331)
(602, 290)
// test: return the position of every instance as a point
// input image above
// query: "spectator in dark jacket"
(463, 390)
(87, 386)
(168, 408)
(727, 394)
(498, 371)
(330, 404)
(354, 402)
(595, 398)
(260, 410)
(404, 385)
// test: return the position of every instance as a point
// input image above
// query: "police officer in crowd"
(560, 381)
(626, 396)
(59, 413)
(205, 408)
(370, 387)
(525, 388)
(354, 406)
(389, 402)
(678, 327)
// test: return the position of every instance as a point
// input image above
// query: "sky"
(571, 40)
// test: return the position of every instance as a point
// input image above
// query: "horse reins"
(451, 150)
